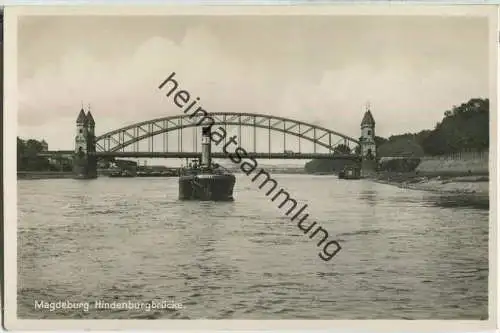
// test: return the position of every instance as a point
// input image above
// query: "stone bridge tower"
(367, 144)
(85, 159)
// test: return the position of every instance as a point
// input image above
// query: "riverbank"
(474, 188)
(53, 174)
(43, 175)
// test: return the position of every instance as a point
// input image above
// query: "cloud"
(243, 68)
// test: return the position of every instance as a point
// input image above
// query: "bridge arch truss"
(118, 140)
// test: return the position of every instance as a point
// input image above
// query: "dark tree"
(27, 159)
(463, 128)
(342, 149)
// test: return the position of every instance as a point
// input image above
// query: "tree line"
(463, 128)
(28, 159)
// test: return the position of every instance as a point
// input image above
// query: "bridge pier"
(84, 157)
(368, 146)
(368, 168)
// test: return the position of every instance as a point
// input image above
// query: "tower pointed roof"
(82, 118)
(90, 119)
(368, 119)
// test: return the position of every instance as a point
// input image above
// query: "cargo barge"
(350, 172)
(122, 174)
(204, 180)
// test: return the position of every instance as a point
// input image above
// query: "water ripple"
(417, 255)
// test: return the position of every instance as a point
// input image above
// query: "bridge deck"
(288, 156)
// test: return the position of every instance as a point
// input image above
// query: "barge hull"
(207, 187)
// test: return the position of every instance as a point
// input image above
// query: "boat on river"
(121, 174)
(165, 173)
(350, 172)
(206, 181)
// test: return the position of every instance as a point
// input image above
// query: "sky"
(318, 69)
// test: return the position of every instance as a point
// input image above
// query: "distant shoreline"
(32, 175)
(35, 175)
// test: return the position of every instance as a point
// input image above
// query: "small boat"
(121, 174)
(350, 172)
(165, 173)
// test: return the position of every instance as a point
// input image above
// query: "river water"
(405, 254)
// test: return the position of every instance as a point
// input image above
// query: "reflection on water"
(405, 254)
(369, 196)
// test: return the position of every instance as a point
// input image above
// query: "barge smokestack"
(206, 147)
(207, 182)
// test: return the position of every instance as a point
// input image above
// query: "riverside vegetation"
(463, 128)
(28, 160)
(451, 159)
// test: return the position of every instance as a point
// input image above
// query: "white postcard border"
(11, 15)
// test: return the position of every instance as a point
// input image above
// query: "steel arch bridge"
(114, 143)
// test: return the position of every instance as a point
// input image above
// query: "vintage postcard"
(224, 167)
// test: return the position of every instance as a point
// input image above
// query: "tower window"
(81, 131)
(369, 132)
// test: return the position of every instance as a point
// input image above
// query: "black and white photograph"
(256, 166)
